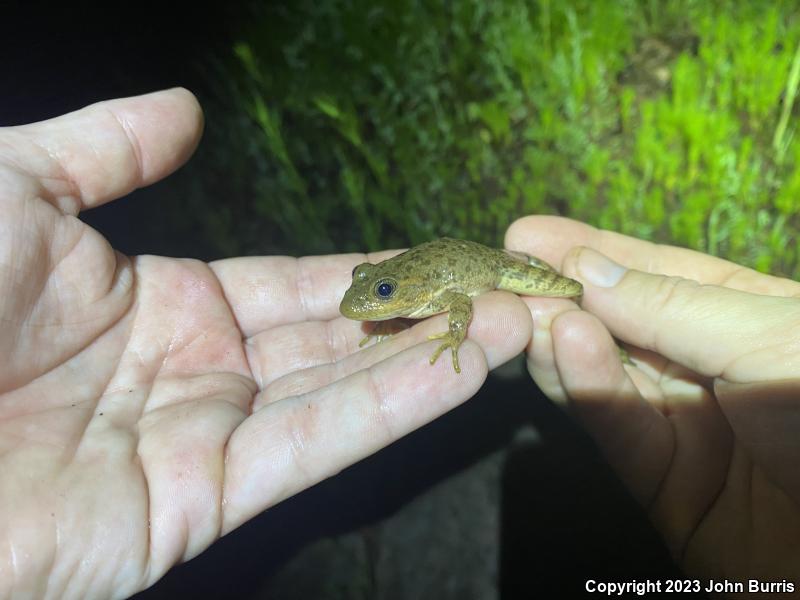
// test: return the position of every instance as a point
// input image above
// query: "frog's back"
(475, 268)
(463, 264)
(450, 251)
(448, 264)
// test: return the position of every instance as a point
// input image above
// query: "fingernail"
(599, 270)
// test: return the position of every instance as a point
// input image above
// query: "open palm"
(150, 405)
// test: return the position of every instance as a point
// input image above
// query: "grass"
(342, 125)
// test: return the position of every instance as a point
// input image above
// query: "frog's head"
(375, 295)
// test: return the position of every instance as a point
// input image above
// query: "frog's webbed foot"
(625, 357)
(371, 336)
(367, 338)
(450, 341)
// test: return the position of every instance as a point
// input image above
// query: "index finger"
(552, 237)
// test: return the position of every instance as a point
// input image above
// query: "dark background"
(56, 59)
(563, 517)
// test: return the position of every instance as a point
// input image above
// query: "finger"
(540, 354)
(106, 150)
(268, 291)
(551, 238)
(179, 452)
(650, 435)
(290, 363)
(712, 330)
(634, 436)
(542, 362)
(289, 445)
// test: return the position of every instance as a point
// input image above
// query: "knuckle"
(672, 294)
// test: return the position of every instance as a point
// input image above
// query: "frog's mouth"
(362, 314)
(346, 309)
(357, 310)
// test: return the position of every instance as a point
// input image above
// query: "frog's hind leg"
(531, 260)
(536, 279)
(540, 264)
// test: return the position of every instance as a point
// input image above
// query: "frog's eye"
(355, 269)
(385, 289)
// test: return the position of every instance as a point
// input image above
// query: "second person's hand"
(705, 429)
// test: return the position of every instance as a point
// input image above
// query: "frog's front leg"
(383, 330)
(458, 321)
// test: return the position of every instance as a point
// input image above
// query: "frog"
(444, 275)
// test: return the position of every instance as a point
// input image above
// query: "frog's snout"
(346, 308)
(351, 306)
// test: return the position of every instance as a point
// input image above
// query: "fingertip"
(595, 268)
(166, 126)
(187, 104)
(582, 344)
(108, 149)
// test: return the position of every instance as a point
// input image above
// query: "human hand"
(150, 405)
(705, 429)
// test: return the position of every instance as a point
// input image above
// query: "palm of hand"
(150, 405)
(717, 471)
(708, 474)
(131, 434)
(122, 382)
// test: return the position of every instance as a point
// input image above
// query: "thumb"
(106, 150)
(715, 331)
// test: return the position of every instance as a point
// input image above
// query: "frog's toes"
(373, 336)
(450, 342)
(455, 359)
(625, 357)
